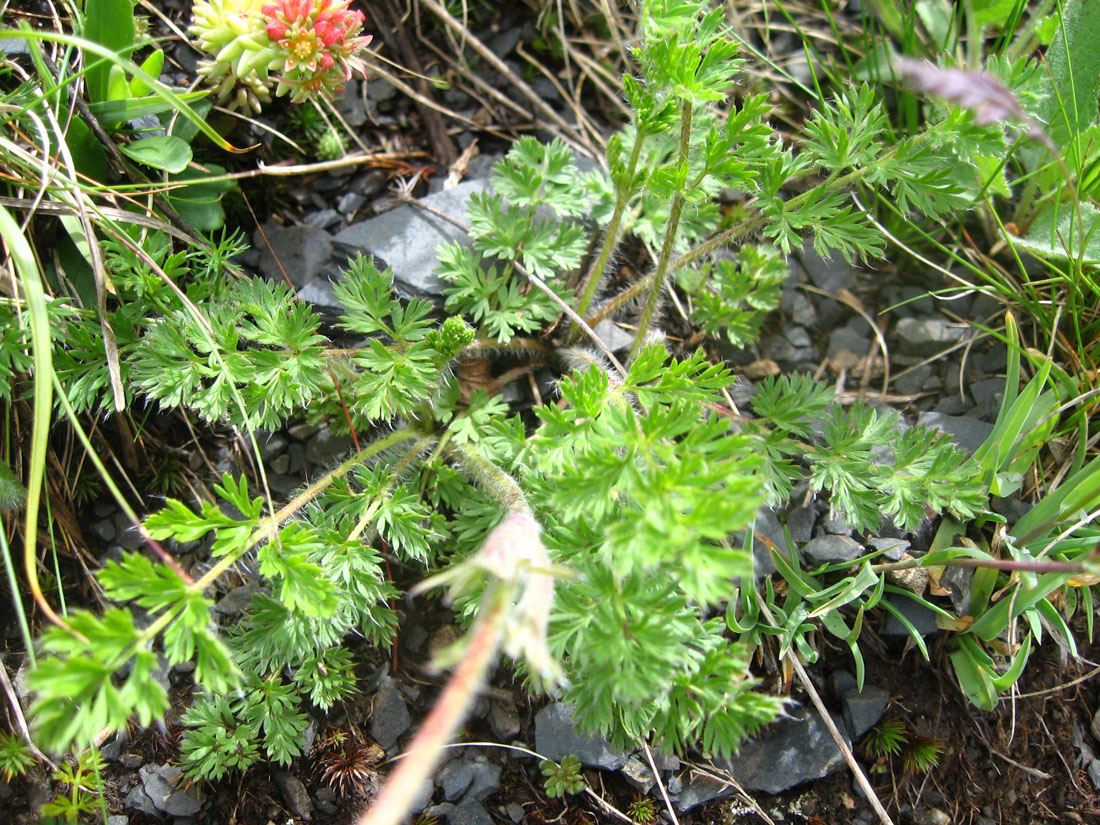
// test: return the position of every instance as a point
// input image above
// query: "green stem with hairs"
(661, 272)
(494, 480)
(623, 192)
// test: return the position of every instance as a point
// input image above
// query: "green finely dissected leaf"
(77, 696)
(260, 344)
(216, 742)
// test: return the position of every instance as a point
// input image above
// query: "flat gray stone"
(405, 239)
(846, 339)
(391, 717)
(927, 336)
(1093, 771)
(638, 774)
(863, 709)
(787, 753)
(829, 547)
(956, 581)
(504, 720)
(798, 337)
(299, 251)
(615, 337)
(830, 274)
(699, 790)
(294, 794)
(922, 619)
(455, 778)
(767, 526)
(469, 813)
(326, 447)
(892, 549)
(556, 737)
(163, 787)
(236, 600)
(485, 780)
(968, 433)
(800, 523)
(138, 800)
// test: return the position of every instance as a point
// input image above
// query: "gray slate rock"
(118, 819)
(847, 339)
(956, 580)
(800, 523)
(914, 381)
(327, 446)
(830, 274)
(320, 294)
(405, 238)
(638, 774)
(323, 219)
(391, 717)
(863, 709)
(469, 813)
(988, 396)
(828, 548)
(294, 794)
(797, 307)
(768, 526)
(236, 600)
(301, 250)
(699, 790)
(162, 786)
(968, 433)
(485, 780)
(138, 800)
(893, 549)
(504, 720)
(798, 337)
(927, 336)
(515, 812)
(787, 753)
(922, 619)
(615, 337)
(555, 737)
(455, 779)
(103, 530)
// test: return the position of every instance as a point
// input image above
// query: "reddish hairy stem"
(446, 715)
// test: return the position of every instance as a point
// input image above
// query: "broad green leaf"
(160, 152)
(152, 65)
(109, 23)
(117, 87)
(1056, 234)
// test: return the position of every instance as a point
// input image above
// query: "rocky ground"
(1033, 760)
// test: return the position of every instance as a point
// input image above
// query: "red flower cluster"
(318, 40)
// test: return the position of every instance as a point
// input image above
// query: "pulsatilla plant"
(594, 540)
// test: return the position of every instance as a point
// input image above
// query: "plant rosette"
(307, 47)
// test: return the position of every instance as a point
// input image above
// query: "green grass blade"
(35, 296)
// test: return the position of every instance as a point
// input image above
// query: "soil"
(1018, 764)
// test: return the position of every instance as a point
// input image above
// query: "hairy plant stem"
(671, 231)
(496, 615)
(448, 712)
(495, 481)
(994, 564)
(623, 193)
